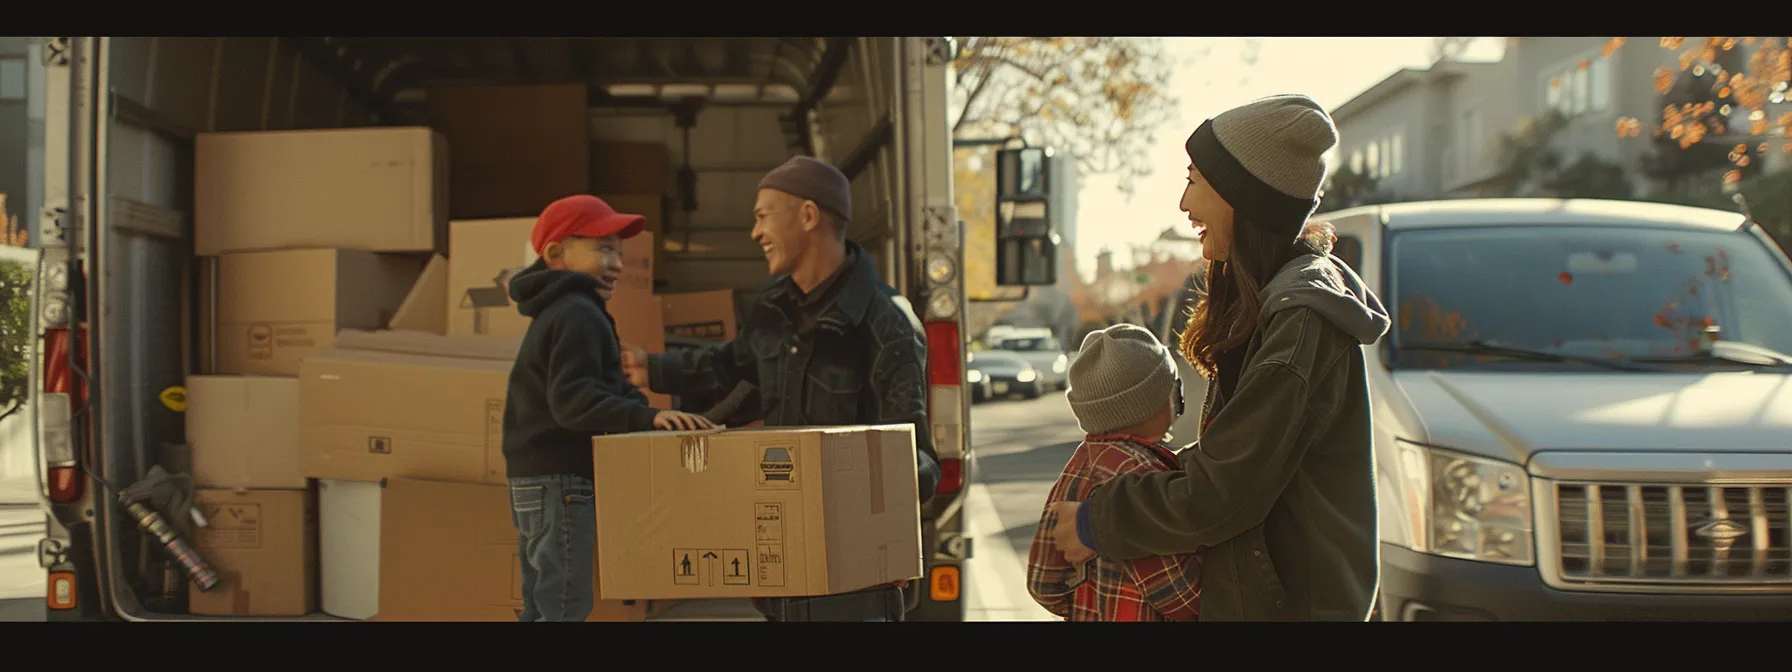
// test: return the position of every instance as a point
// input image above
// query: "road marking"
(1001, 573)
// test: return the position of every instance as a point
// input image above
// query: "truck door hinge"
(56, 51)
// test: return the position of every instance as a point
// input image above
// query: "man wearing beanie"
(1125, 394)
(1281, 486)
(826, 343)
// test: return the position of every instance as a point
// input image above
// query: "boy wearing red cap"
(567, 385)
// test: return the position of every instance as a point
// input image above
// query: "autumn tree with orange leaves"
(1719, 80)
(1099, 99)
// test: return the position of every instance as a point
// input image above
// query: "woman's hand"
(1064, 533)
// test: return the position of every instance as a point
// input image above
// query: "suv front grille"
(1673, 534)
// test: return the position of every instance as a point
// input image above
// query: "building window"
(1397, 153)
(1579, 86)
(1356, 162)
(1387, 159)
(12, 79)
(1470, 147)
(1374, 160)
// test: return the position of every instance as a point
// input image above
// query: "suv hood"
(1511, 416)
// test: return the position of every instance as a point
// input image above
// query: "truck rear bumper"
(1422, 587)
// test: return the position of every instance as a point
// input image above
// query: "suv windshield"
(1573, 297)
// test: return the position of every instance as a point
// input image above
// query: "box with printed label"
(273, 307)
(263, 544)
(756, 512)
(416, 550)
(405, 404)
(707, 316)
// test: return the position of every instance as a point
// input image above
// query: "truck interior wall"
(166, 90)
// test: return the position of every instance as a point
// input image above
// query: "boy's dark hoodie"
(567, 385)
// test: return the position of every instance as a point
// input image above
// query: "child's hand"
(634, 365)
(680, 421)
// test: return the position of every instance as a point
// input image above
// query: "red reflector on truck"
(951, 477)
(943, 361)
(65, 484)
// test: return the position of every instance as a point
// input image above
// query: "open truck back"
(118, 300)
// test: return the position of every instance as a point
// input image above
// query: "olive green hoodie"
(1281, 485)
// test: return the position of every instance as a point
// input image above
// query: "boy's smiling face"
(599, 258)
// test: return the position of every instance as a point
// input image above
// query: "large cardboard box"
(411, 405)
(244, 432)
(413, 550)
(264, 545)
(273, 307)
(704, 315)
(756, 512)
(516, 148)
(630, 167)
(380, 189)
(485, 254)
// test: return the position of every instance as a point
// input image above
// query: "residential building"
(1434, 133)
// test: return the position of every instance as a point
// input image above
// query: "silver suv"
(1582, 412)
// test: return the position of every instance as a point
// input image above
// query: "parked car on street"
(1583, 410)
(1039, 348)
(998, 373)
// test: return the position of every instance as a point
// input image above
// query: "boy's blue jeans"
(556, 524)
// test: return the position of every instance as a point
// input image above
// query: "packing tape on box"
(695, 449)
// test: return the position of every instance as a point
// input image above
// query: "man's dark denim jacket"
(822, 375)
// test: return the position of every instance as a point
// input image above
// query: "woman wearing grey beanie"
(1280, 488)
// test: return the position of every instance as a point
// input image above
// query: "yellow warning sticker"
(175, 398)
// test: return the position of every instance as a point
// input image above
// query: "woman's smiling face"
(1210, 215)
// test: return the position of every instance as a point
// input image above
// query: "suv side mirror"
(1026, 245)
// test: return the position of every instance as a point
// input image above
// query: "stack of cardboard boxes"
(348, 444)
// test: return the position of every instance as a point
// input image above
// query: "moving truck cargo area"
(281, 267)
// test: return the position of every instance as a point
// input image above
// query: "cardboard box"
(704, 315)
(756, 512)
(630, 167)
(411, 405)
(273, 307)
(380, 189)
(264, 545)
(516, 148)
(244, 432)
(485, 254)
(423, 309)
(390, 551)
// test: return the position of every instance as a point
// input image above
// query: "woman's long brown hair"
(1226, 316)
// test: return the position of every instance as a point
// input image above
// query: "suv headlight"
(1026, 376)
(1466, 507)
(1060, 364)
(973, 376)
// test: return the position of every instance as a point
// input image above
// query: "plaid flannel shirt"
(1162, 588)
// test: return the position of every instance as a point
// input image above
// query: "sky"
(1212, 76)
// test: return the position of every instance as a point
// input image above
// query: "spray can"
(201, 571)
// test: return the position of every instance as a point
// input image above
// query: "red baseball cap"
(585, 217)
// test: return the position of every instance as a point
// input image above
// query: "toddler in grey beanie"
(1122, 377)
